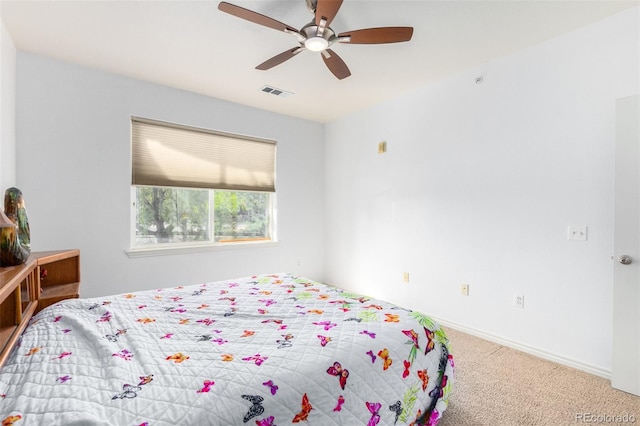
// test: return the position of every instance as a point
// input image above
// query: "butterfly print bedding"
(267, 350)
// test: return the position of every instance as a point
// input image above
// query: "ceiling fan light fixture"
(316, 44)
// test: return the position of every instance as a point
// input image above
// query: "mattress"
(267, 350)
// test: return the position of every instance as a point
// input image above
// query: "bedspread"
(266, 350)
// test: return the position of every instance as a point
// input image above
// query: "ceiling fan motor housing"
(314, 40)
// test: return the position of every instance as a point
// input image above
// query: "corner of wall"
(7, 108)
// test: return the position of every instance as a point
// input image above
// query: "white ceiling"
(191, 45)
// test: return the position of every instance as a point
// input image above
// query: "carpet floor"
(497, 385)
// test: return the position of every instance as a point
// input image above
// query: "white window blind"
(172, 155)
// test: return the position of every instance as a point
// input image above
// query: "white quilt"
(265, 350)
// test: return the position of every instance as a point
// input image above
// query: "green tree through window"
(179, 216)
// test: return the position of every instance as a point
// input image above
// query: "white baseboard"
(597, 371)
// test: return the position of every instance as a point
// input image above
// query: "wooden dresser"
(46, 278)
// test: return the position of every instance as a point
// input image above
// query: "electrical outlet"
(577, 232)
(405, 277)
(518, 300)
(464, 289)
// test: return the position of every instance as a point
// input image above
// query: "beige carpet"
(496, 385)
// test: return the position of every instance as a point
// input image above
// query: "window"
(197, 187)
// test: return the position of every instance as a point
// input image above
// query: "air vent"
(277, 92)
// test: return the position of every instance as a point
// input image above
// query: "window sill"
(168, 251)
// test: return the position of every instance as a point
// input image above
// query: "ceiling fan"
(318, 36)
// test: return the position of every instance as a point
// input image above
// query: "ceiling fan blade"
(327, 9)
(335, 64)
(254, 17)
(378, 35)
(278, 59)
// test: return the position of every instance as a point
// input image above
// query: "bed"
(266, 350)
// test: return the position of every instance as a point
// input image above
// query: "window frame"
(198, 246)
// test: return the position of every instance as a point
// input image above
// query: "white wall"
(73, 166)
(478, 186)
(7, 111)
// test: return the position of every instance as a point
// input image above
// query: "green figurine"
(15, 242)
